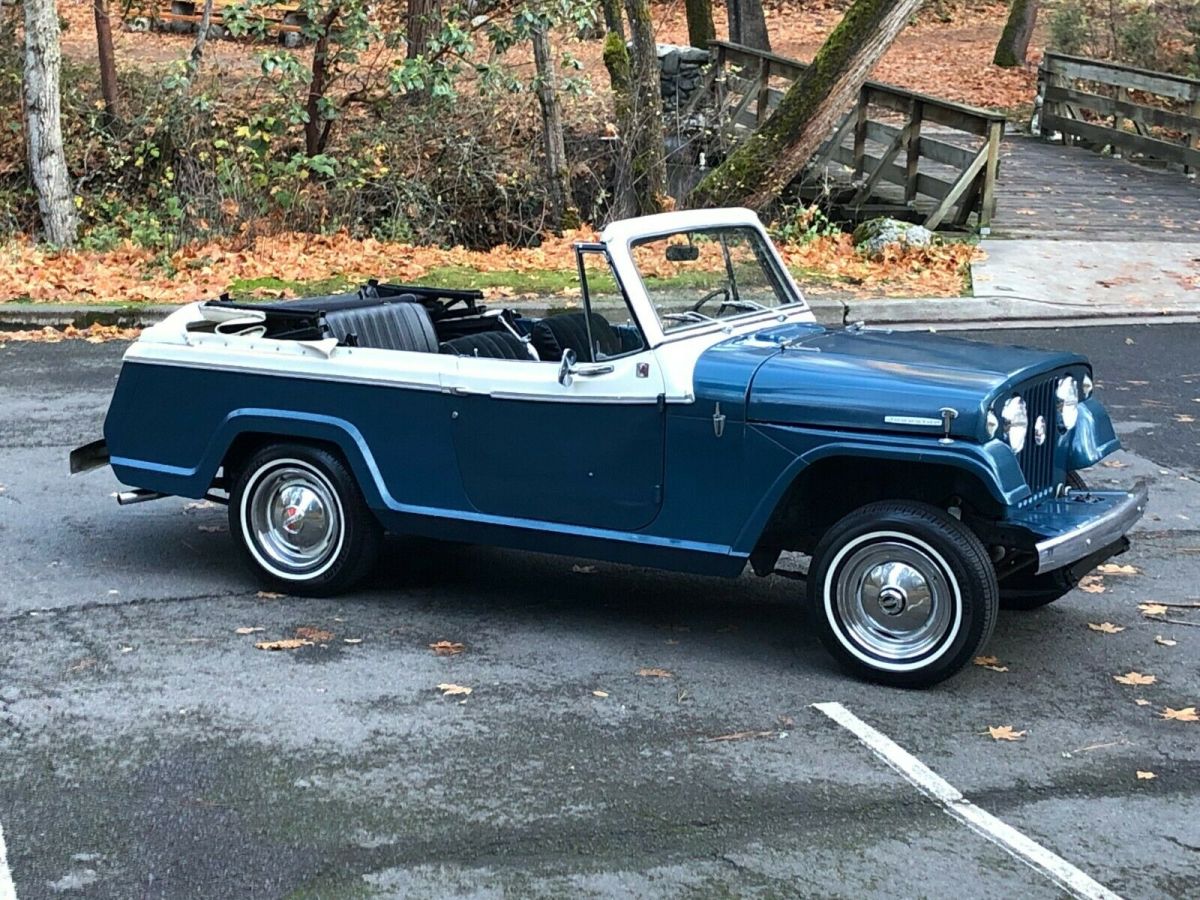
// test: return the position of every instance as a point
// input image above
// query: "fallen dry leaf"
(1152, 609)
(1140, 702)
(316, 635)
(989, 662)
(1114, 464)
(1106, 627)
(454, 690)
(1165, 642)
(269, 595)
(1187, 714)
(1092, 584)
(1144, 775)
(285, 644)
(352, 640)
(654, 673)
(447, 648)
(1114, 569)
(600, 694)
(247, 629)
(1184, 418)
(743, 736)
(1135, 678)
(1005, 733)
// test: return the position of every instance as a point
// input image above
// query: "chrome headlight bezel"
(1015, 416)
(992, 424)
(1086, 386)
(1066, 393)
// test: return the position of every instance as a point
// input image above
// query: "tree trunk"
(562, 211)
(1014, 41)
(43, 123)
(197, 56)
(701, 29)
(748, 24)
(614, 20)
(647, 159)
(104, 50)
(616, 60)
(424, 20)
(757, 171)
(316, 130)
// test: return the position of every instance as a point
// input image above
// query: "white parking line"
(933, 785)
(7, 891)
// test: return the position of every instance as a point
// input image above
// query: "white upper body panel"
(666, 368)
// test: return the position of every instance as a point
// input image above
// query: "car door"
(584, 449)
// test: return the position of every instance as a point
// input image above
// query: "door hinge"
(718, 421)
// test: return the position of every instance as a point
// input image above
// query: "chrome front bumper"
(1093, 534)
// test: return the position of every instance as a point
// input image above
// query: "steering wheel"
(719, 292)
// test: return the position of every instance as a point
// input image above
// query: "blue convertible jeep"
(688, 415)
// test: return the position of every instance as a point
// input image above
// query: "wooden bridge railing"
(913, 154)
(1089, 100)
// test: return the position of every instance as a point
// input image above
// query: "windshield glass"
(696, 277)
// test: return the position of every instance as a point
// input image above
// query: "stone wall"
(681, 73)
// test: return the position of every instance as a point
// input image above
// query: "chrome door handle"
(591, 371)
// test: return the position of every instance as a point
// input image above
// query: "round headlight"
(1067, 393)
(1087, 386)
(1015, 416)
(993, 424)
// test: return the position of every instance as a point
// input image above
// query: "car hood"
(881, 380)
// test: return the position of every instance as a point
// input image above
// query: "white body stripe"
(672, 361)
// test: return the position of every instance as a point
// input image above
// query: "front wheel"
(300, 520)
(902, 593)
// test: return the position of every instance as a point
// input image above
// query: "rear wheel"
(902, 593)
(1025, 590)
(300, 520)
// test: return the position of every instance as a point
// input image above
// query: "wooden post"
(987, 200)
(764, 90)
(860, 135)
(1195, 136)
(913, 152)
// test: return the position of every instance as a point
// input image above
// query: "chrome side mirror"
(565, 367)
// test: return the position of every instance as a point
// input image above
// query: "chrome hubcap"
(295, 519)
(893, 599)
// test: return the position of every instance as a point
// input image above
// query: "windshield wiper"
(689, 315)
(746, 304)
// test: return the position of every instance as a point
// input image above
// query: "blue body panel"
(855, 379)
(687, 486)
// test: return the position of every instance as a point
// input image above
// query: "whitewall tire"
(902, 593)
(300, 520)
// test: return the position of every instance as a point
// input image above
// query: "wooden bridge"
(913, 156)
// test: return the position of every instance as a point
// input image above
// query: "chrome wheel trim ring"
(292, 520)
(922, 628)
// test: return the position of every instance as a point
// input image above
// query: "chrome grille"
(1037, 463)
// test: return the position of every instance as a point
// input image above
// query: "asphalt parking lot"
(627, 732)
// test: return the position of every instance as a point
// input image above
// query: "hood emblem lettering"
(912, 420)
(946, 416)
(718, 421)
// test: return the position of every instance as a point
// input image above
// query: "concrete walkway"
(1092, 278)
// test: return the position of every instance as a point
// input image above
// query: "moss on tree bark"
(770, 158)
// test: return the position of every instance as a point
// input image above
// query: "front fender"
(1093, 437)
(992, 464)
